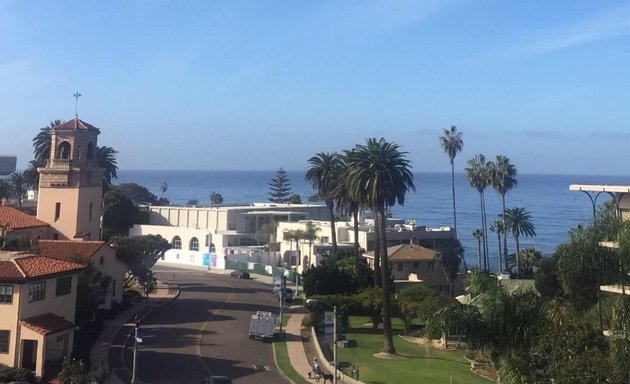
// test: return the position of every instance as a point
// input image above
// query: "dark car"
(240, 274)
(217, 380)
(287, 293)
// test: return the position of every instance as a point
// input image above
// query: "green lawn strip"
(282, 358)
(415, 363)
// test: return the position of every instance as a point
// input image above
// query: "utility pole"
(135, 350)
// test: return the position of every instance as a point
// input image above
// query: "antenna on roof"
(76, 104)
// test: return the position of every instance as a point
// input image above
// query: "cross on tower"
(76, 103)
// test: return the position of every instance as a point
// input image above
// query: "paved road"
(205, 331)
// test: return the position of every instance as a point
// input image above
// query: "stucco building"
(102, 257)
(71, 183)
(37, 302)
(206, 236)
(20, 226)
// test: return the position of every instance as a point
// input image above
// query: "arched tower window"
(64, 150)
(176, 243)
(90, 150)
(79, 150)
(194, 244)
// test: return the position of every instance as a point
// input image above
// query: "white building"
(207, 236)
(310, 253)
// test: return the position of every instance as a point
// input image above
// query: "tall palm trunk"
(518, 261)
(499, 246)
(486, 250)
(479, 251)
(453, 190)
(355, 216)
(388, 346)
(505, 250)
(333, 233)
(481, 211)
(377, 252)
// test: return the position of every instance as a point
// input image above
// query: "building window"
(207, 240)
(4, 341)
(194, 244)
(79, 150)
(177, 242)
(325, 239)
(399, 266)
(64, 150)
(6, 294)
(90, 150)
(57, 211)
(64, 286)
(55, 236)
(90, 211)
(36, 291)
(415, 264)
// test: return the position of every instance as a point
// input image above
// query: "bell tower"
(71, 183)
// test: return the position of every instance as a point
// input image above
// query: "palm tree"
(5, 189)
(451, 254)
(498, 228)
(452, 143)
(528, 260)
(310, 234)
(519, 221)
(347, 205)
(42, 142)
(478, 235)
(323, 174)
(106, 159)
(503, 179)
(19, 185)
(294, 235)
(379, 176)
(31, 173)
(477, 172)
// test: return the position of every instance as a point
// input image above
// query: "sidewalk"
(99, 354)
(295, 346)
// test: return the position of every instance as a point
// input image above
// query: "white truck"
(262, 326)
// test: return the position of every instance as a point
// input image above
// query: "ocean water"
(553, 207)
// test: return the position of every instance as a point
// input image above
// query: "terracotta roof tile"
(36, 266)
(10, 271)
(73, 124)
(47, 323)
(68, 250)
(18, 219)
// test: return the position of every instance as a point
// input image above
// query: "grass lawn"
(414, 364)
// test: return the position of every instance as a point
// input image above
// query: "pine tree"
(280, 188)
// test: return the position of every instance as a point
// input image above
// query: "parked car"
(240, 274)
(217, 380)
(287, 293)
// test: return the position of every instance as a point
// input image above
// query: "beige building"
(37, 302)
(70, 184)
(102, 257)
(206, 236)
(413, 264)
(20, 226)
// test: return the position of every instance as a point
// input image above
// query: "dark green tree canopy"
(280, 188)
(140, 253)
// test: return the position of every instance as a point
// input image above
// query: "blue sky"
(266, 84)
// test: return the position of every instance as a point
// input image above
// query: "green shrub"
(8, 374)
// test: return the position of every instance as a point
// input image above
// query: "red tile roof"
(73, 124)
(69, 250)
(47, 323)
(21, 267)
(18, 219)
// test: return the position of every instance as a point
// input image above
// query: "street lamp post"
(334, 307)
